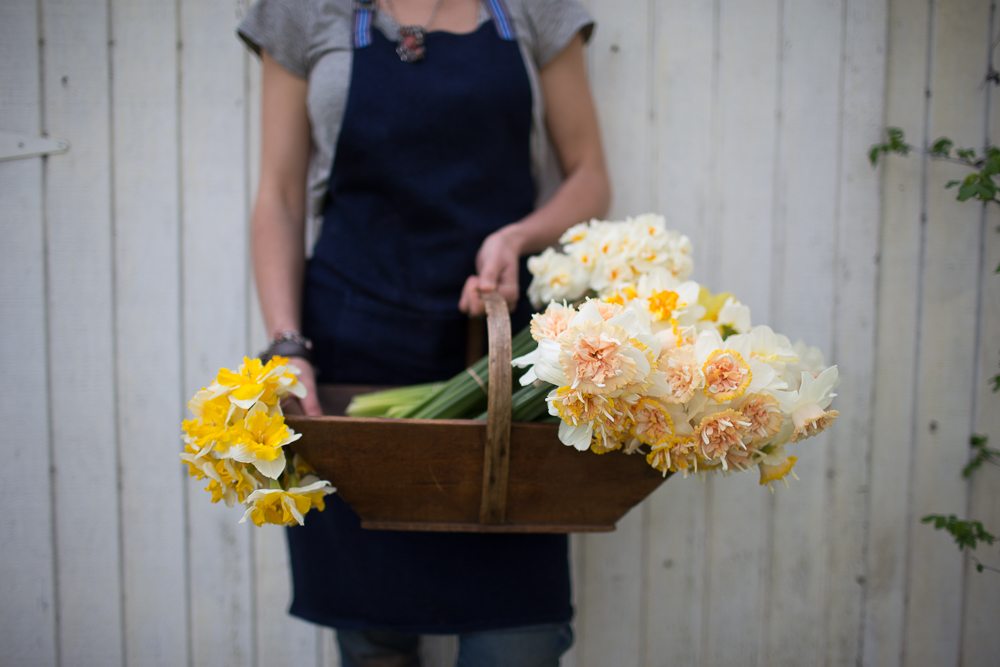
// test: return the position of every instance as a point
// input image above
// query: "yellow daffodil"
(286, 508)
(259, 441)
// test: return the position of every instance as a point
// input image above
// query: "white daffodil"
(808, 406)
(735, 316)
(286, 507)
(556, 277)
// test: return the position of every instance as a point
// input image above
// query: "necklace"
(410, 46)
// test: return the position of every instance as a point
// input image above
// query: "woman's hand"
(497, 265)
(309, 405)
(585, 192)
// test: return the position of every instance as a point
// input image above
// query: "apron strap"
(501, 17)
(364, 12)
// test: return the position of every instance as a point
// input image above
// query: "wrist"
(288, 343)
(516, 237)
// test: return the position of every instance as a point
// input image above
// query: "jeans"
(527, 646)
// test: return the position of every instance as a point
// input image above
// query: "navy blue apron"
(432, 157)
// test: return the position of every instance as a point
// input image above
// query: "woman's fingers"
(470, 303)
(309, 405)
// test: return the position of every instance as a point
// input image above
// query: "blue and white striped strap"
(364, 11)
(501, 17)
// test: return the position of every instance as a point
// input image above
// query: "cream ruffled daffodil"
(721, 436)
(726, 371)
(286, 508)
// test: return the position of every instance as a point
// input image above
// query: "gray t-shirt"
(312, 39)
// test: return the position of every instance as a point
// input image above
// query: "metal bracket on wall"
(14, 146)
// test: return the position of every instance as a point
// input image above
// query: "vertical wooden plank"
(147, 257)
(214, 279)
(736, 552)
(609, 629)
(980, 640)
(947, 350)
(858, 209)
(803, 304)
(81, 334)
(897, 338)
(27, 583)
(683, 71)
(620, 73)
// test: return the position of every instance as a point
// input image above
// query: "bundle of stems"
(528, 403)
(391, 402)
(463, 396)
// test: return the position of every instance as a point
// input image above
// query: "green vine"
(978, 185)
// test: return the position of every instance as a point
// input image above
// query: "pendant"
(410, 47)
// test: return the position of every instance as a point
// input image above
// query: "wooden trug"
(469, 475)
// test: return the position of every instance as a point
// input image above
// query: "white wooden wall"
(124, 284)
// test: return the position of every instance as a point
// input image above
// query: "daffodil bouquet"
(630, 354)
(236, 441)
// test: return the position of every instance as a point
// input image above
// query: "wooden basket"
(470, 475)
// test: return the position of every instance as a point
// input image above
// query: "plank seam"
(870, 452)
(834, 341)
(115, 366)
(46, 289)
(181, 323)
(918, 343)
(778, 253)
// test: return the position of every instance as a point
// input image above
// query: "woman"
(425, 149)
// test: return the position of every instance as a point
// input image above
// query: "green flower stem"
(384, 403)
(463, 395)
(528, 403)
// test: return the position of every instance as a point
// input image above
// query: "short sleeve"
(555, 23)
(280, 27)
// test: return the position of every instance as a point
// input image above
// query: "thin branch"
(981, 566)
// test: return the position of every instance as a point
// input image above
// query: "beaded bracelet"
(288, 344)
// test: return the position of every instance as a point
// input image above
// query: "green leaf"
(951, 184)
(966, 154)
(942, 147)
(873, 154)
(981, 454)
(967, 534)
(995, 380)
(967, 191)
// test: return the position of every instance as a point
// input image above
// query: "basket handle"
(496, 457)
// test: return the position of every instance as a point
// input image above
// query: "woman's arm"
(277, 228)
(585, 192)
